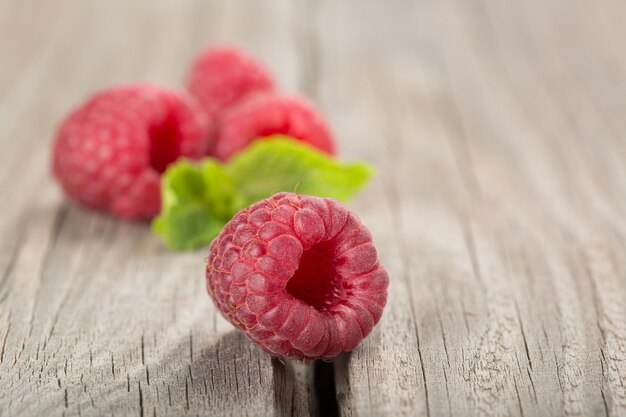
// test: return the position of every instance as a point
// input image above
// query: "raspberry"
(298, 275)
(222, 76)
(109, 153)
(269, 114)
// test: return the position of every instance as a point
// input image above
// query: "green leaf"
(279, 163)
(197, 201)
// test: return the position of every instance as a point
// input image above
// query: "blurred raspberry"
(299, 276)
(110, 152)
(269, 114)
(222, 76)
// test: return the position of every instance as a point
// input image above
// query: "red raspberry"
(110, 152)
(222, 76)
(298, 275)
(269, 114)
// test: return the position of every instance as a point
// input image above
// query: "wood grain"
(503, 218)
(85, 328)
(499, 211)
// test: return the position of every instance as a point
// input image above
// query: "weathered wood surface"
(499, 210)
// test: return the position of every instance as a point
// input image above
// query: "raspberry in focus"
(270, 114)
(110, 152)
(299, 275)
(222, 76)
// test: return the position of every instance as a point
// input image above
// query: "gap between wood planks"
(325, 390)
(324, 396)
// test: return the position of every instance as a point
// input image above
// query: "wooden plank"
(86, 329)
(504, 197)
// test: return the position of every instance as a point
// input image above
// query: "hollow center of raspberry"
(316, 281)
(164, 144)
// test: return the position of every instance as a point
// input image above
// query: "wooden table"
(499, 209)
